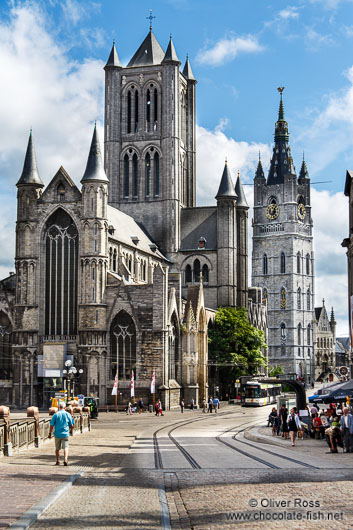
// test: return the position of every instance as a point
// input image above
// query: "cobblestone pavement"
(120, 487)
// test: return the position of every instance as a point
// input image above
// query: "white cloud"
(289, 12)
(227, 49)
(329, 4)
(315, 40)
(41, 88)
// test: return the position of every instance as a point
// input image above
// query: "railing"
(58, 338)
(24, 433)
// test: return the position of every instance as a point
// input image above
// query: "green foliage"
(236, 343)
(275, 371)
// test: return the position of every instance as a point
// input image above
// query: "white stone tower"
(283, 258)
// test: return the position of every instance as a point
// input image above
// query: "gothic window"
(156, 174)
(264, 296)
(283, 333)
(308, 331)
(136, 111)
(205, 273)
(143, 271)
(283, 263)
(148, 111)
(129, 112)
(135, 174)
(299, 331)
(126, 175)
(264, 264)
(123, 340)
(114, 260)
(298, 262)
(61, 192)
(188, 274)
(61, 245)
(283, 298)
(299, 298)
(5, 347)
(155, 118)
(308, 299)
(307, 264)
(110, 258)
(197, 268)
(148, 174)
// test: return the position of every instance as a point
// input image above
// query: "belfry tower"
(283, 258)
(150, 138)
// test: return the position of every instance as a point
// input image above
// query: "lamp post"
(71, 373)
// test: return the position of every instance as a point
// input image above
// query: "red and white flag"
(132, 384)
(153, 382)
(115, 386)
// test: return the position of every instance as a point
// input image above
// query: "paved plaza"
(181, 471)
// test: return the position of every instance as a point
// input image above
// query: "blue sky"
(51, 58)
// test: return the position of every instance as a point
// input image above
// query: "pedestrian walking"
(182, 405)
(210, 405)
(160, 410)
(129, 408)
(63, 424)
(192, 403)
(140, 405)
(156, 407)
(293, 425)
(284, 424)
(216, 404)
(204, 405)
(346, 425)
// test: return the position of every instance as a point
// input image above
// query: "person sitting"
(317, 426)
(333, 436)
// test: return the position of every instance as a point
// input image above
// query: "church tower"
(283, 258)
(150, 138)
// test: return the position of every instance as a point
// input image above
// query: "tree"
(275, 371)
(235, 346)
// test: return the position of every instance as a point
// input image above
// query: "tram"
(258, 394)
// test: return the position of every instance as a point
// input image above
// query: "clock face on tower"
(301, 211)
(272, 210)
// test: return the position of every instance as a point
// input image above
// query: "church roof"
(196, 223)
(150, 52)
(281, 162)
(318, 312)
(226, 187)
(187, 72)
(259, 171)
(30, 173)
(304, 173)
(241, 198)
(113, 59)
(95, 169)
(170, 54)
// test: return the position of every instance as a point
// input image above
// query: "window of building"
(148, 174)
(299, 298)
(135, 174)
(110, 258)
(308, 299)
(123, 350)
(283, 263)
(155, 120)
(205, 273)
(188, 274)
(264, 296)
(129, 112)
(283, 333)
(307, 260)
(126, 175)
(148, 111)
(136, 111)
(299, 331)
(265, 264)
(61, 192)
(197, 270)
(283, 298)
(114, 260)
(5, 347)
(156, 174)
(298, 262)
(308, 332)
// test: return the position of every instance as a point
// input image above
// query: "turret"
(170, 54)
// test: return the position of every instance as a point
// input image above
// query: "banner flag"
(132, 384)
(153, 382)
(115, 386)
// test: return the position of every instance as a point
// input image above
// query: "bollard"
(78, 410)
(69, 409)
(33, 412)
(52, 411)
(5, 415)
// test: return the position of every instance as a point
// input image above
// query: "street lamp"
(71, 373)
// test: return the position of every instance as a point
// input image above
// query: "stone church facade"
(124, 272)
(283, 258)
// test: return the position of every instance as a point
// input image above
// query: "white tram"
(258, 394)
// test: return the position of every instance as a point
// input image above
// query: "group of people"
(335, 425)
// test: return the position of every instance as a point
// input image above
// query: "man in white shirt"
(346, 425)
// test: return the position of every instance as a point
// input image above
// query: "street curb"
(261, 438)
(30, 516)
(163, 503)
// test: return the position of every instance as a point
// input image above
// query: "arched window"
(148, 174)
(299, 298)
(307, 264)
(283, 333)
(265, 264)
(129, 112)
(5, 347)
(135, 174)
(283, 263)
(126, 175)
(155, 118)
(136, 111)
(156, 174)
(188, 274)
(61, 246)
(308, 299)
(114, 260)
(283, 298)
(264, 296)
(299, 331)
(61, 192)
(148, 111)
(298, 262)
(197, 269)
(110, 258)
(123, 352)
(308, 332)
(205, 273)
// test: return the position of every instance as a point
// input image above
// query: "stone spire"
(304, 173)
(332, 319)
(113, 60)
(241, 198)
(281, 162)
(150, 52)
(259, 170)
(30, 173)
(170, 54)
(187, 72)
(226, 188)
(95, 169)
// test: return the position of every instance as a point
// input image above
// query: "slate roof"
(113, 59)
(318, 312)
(241, 198)
(187, 72)
(196, 223)
(95, 169)
(170, 54)
(226, 187)
(30, 173)
(150, 52)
